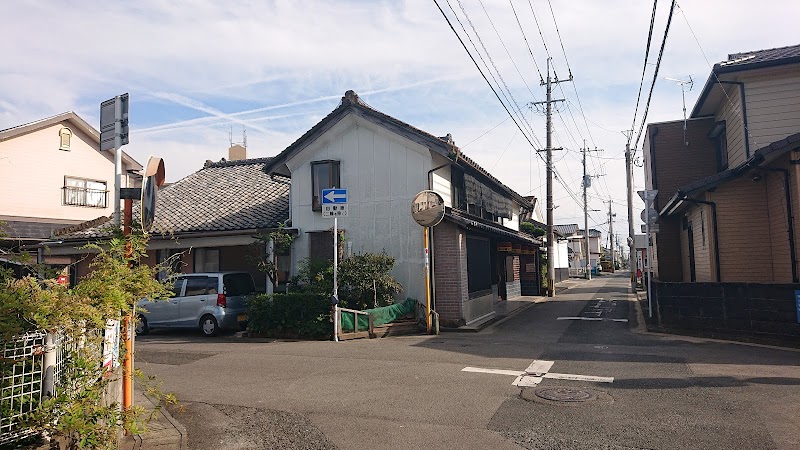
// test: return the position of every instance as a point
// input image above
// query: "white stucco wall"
(382, 172)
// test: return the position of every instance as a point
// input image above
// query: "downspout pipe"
(789, 218)
(744, 115)
(716, 233)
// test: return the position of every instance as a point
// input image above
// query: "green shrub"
(314, 276)
(302, 315)
(365, 282)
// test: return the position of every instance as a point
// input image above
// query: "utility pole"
(550, 236)
(631, 244)
(587, 181)
(611, 235)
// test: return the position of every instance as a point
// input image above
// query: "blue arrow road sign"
(334, 196)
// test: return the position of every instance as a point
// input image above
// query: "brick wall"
(764, 310)
(450, 270)
(778, 224)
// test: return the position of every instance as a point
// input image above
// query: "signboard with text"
(334, 202)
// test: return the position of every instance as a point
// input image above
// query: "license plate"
(241, 318)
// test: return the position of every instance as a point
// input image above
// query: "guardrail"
(340, 335)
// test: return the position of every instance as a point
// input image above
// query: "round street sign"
(649, 215)
(427, 208)
(153, 178)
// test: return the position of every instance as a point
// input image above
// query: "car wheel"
(208, 325)
(141, 326)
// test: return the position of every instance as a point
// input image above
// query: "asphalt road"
(668, 392)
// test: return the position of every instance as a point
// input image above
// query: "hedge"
(293, 315)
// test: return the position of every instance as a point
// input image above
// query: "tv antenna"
(683, 84)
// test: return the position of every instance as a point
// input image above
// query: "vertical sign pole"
(117, 158)
(427, 281)
(649, 265)
(335, 257)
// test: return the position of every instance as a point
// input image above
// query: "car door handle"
(202, 299)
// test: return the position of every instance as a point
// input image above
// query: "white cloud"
(279, 66)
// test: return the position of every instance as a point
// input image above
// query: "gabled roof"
(222, 196)
(737, 62)
(760, 156)
(351, 103)
(69, 116)
(566, 230)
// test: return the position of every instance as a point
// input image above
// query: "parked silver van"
(210, 301)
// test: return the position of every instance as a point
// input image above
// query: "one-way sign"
(334, 196)
(334, 202)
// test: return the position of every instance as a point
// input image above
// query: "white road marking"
(515, 373)
(569, 376)
(536, 372)
(527, 381)
(596, 319)
(538, 367)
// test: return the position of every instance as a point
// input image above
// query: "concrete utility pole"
(631, 243)
(587, 181)
(551, 273)
(611, 235)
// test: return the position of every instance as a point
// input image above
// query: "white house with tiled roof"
(479, 257)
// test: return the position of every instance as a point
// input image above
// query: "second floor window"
(83, 192)
(324, 175)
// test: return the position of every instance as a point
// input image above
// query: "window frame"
(83, 191)
(65, 132)
(334, 175)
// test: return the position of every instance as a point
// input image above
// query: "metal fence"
(29, 363)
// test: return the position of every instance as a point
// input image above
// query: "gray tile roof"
(222, 196)
(17, 229)
(566, 230)
(572, 229)
(762, 56)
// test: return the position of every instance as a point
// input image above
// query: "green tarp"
(380, 316)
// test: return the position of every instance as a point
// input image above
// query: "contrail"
(194, 104)
(231, 116)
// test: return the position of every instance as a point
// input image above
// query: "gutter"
(744, 115)
(789, 218)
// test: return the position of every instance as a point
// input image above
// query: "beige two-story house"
(729, 194)
(53, 175)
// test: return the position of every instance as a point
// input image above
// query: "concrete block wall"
(756, 309)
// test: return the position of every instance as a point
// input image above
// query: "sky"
(199, 72)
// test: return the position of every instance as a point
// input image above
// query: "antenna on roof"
(230, 137)
(244, 137)
(683, 84)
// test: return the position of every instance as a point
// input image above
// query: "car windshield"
(238, 284)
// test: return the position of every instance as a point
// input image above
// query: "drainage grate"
(560, 394)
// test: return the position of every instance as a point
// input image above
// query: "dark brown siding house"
(728, 196)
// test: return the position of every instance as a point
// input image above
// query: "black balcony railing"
(81, 196)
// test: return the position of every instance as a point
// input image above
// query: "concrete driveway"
(411, 392)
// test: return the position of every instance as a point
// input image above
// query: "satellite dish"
(153, 179)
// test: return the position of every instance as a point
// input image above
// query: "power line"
(506, 48)
(541, 78)
(644, 66)
(485, 133)
(540, 29)
(655, 77)
(486, 51)
(463, 44)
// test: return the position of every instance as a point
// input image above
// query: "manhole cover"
(560, 394)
